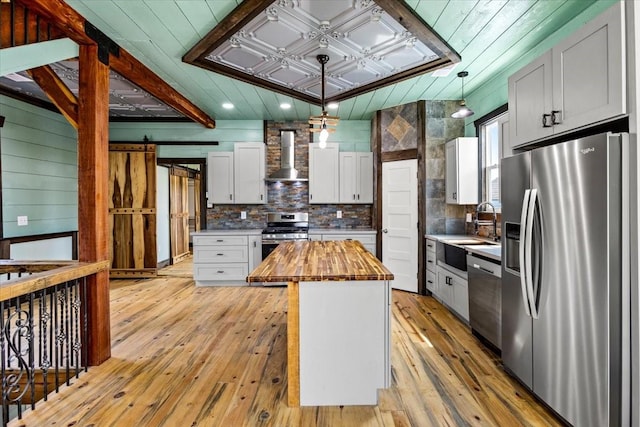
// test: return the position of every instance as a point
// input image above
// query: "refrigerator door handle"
(529, 251)
(522, 252)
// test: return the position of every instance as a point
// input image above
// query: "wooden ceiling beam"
(73, 25)
(57, 92)
(21, 26)
(130, 68)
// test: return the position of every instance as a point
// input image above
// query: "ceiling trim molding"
(29, 99)
(244, 13)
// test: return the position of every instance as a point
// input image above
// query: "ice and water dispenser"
(511, 241)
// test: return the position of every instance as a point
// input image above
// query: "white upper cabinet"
(530, 95)
(249, 173)
(356, 177)
(324, 174)
(461, 178)
(238, 177)
(220, 177)
(581, 81)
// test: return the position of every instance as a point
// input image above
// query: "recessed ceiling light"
(227, 105)
(285, 105)
(332, 105)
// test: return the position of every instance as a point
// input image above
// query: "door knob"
(385, 230)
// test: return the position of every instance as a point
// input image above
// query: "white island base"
(344, 341)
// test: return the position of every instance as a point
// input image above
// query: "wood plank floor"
(188, 356)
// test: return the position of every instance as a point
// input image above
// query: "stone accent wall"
(442, 218)
(399, 128)
(288, 196)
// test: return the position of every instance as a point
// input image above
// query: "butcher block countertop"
(307, 261)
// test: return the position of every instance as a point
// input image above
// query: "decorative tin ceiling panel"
(126, 100)
(367, 47)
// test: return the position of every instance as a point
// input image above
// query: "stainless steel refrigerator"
(564, 299)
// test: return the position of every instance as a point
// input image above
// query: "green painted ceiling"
(489, 35)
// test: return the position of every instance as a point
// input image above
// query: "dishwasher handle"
(484, 266)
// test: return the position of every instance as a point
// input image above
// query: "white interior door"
(400, 222)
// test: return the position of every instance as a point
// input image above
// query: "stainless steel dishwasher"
(485, 298)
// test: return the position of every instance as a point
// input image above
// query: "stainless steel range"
(284, 227)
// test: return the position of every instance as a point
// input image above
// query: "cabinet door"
(255, 251)
(443, 287)
(589, 74)
(249, 173)
(451, 175)
(460, 296)
(530, 96)
(220, 177)
(348, 177)
(324, 174)
(462, 177)
(364, 178)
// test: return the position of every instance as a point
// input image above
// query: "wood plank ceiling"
(487, 34)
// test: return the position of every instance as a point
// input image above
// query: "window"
(492, 133)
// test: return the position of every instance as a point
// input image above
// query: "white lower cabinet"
(224, 259)
(453, 291)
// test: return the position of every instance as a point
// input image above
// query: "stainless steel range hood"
(287, 156)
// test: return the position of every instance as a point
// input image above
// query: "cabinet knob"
(385, 230)
(230, 196)
(556, 117)
(545, 124)
(354, 197)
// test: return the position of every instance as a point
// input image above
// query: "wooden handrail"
(45, 274)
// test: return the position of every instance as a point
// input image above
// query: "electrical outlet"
(243, 215)
(339, 214)
(23, 220)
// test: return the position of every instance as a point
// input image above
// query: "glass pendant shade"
(463, 111)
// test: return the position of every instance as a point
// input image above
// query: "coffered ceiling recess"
(274, 44)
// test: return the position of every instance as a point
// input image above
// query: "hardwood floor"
(192, 356)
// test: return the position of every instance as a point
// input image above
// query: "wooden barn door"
(179, 209)
(132, 210)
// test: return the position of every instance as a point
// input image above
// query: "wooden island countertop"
(307, 261)
(338, 320)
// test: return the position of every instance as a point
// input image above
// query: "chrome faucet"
(495, 220)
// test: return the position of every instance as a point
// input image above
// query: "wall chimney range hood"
(287, 157)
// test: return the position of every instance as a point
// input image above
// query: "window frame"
(499, 115)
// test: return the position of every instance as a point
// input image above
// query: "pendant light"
(323, 121)
(463, 111)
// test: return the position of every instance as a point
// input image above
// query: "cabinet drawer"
(431, 261)
(431, 281)
(220, 272)
(221, 254)
(220, 240)
(365, 239)
(431, 246)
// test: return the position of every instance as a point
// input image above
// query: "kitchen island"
(338, 321)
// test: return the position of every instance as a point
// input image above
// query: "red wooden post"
(93, 190)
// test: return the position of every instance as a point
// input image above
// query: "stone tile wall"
(442, 218)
